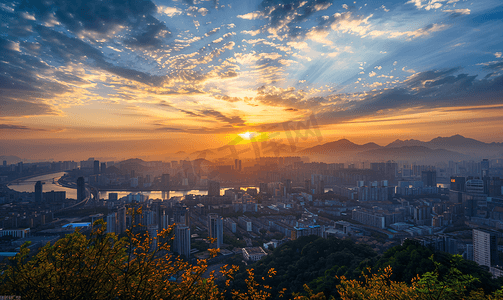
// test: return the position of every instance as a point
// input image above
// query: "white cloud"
(384, 8)
(419, 32)
(372, 74)
(428, 4)
(251, 32)
(298, 45)
(498, 54)
(169, 11)
(203, 11)
(251, 16)
(408, 71)
(461, 11)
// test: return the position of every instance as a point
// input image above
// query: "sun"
(247, 135)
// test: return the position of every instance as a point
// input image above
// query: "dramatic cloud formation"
(173, 69)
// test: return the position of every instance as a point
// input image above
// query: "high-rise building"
(121, 220)
(181, 215)
(484, 168)
(38, 192)
(429, 178)
(216, 228)
(5, 163)
(181, 244)
(112, 223)
(81, 189)
(96, 167)
(213, 188)
(458, 184)
(165, 182)
(485, 247)
(103, 167)
(475, 187)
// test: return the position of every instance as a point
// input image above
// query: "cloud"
(459, 11)
(251, 16)
(169, 11)
(102, 17)
(251, 32)
(424, 90)
(18, 127)
(235, 120)
(428, 4)
(498, 54)
(18, 108)
(289, 98)
(420, 32)
(284, 17)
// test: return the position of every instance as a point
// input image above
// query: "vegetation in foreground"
(138, 266)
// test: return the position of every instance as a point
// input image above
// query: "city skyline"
(153, 78)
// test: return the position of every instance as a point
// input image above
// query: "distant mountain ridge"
(342, 145)
(455, 147)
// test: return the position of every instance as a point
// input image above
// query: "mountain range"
(453, 148)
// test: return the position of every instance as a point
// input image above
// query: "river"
(28, 185)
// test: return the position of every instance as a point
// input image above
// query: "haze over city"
(152, 78)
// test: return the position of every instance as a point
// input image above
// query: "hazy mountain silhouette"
(455, 148)
(342, 145)
(468, 146)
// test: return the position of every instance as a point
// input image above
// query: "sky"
(156, 77)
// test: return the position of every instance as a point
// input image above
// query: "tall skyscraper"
(181, 215)
(165, 182)
(484, 168)
(429, 178)
(181, 244)
(81, 189)
(38, 192)
(213, 188)
(103, 167)
(485, 247)
(121, 220)
(216, 229)
(96, 167)
(458, 184)
(5, 163)
(112, 223)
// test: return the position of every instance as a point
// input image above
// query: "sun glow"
(248, 135)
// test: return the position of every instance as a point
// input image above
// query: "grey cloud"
(17, 108)
(101, 17)
(432, 89)
(290, 12)
(294, 99)
(498, 66)
(170, 129)
(148, 34)
(18, 127)
(236, 120)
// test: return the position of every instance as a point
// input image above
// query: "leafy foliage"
(104, 267)
(426, 287)
(310, 260)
